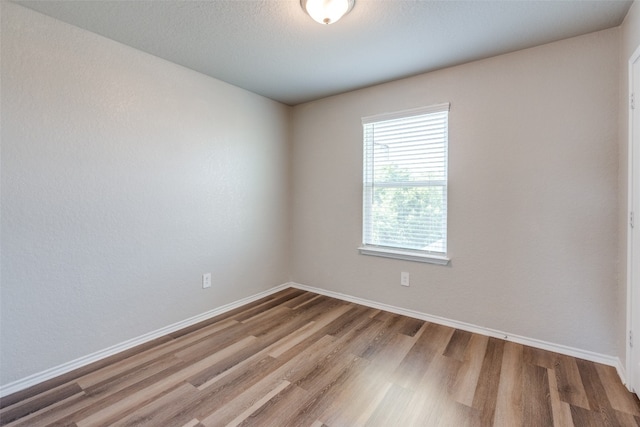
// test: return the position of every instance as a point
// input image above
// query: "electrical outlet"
(404, 278)
(206, 280)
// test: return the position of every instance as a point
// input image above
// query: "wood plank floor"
(300, 359)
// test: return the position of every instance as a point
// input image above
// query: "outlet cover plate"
(206, 280)
(404, 278)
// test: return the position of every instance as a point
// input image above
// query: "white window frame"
(403, 253)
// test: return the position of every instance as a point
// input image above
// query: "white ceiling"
(271, 47)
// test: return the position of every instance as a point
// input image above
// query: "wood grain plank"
(617, 394)
(486, 393)
(431, 399)
(253, 408)
(245, 384)
(229, 314)
(277, 410)
(253, 360)
(430, 343)
(255, 351)
(302, 298)
(386, 333)
(193, 423)
(293, 319)
(363, 394)
(411, 326)
(560, 410)
(147, 394)
(627, 420)
(106, 394)
(596, 394)
(392, 407)
(539, 357)
(536, 399)
(322, 398)
(322, 370)
(389, 357)
(306, 331)
(156, 411)
(69, 377)
(220, 339)
(464, 387)
(242, 402)
(586, 418)
(34, 418)
(275, 302)
(570, 387)
(212, 398)
(356, 316)
(268, 345)
(38, 402)
(122, 379)
(458, 344)
(141, 359)
(509, 407)
(308, 303)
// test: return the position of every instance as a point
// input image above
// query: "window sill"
(404, 255)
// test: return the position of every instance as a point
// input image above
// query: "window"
(405, 185)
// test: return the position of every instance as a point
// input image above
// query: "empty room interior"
(203, 221)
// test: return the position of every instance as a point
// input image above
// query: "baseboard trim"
(532, 342)
(48, 374)
(56, 371)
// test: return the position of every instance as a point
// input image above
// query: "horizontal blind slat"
(405, 177)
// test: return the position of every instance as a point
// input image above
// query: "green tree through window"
(398, 211)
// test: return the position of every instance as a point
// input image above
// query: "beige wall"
(124, 178)
(532, 198)
(630, 41)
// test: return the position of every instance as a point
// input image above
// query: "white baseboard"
(110, 351)
(622, 373)
(532, 342)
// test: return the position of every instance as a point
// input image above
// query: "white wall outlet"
(404, 278)
(206, 280)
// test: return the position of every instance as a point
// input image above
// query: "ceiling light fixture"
(327, 11)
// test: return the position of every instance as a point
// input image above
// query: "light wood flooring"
(300, 359)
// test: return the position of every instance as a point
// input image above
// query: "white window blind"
(405, 181)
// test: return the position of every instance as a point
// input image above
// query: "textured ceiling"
(271, 47)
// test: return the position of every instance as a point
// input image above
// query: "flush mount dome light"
(326, 11)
